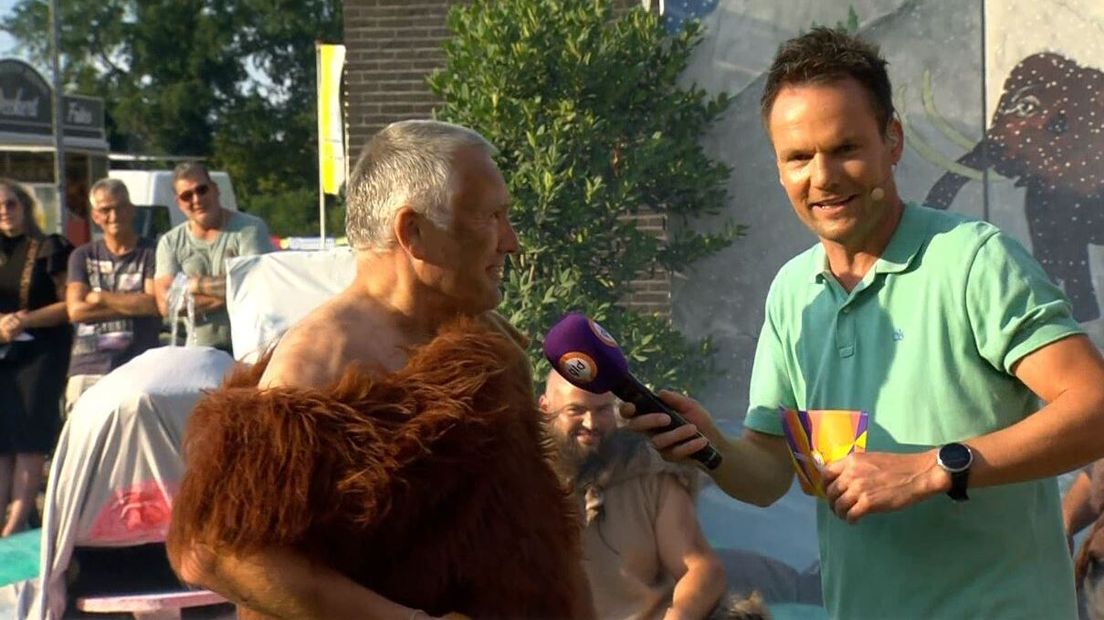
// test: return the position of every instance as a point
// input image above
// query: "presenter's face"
(579, 418)
(469, 257)
(833, 160)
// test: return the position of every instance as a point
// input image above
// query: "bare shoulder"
(318, 349)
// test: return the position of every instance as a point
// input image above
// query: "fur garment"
(431, 486)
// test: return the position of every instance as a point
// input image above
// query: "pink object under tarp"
(118, 463)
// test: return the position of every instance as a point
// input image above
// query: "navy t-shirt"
(101, 347)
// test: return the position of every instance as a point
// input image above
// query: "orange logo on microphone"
(578, 367)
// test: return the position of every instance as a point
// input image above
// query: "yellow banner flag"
(331, 142)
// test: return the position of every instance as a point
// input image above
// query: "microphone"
(588, 357)
(877, 194)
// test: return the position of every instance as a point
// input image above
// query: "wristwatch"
(955, 459)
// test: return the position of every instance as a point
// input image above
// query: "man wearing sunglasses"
(199, 248)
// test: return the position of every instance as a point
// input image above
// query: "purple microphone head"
(585, 354)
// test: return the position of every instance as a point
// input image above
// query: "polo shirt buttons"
(845, 333)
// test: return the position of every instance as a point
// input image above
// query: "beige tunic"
(621, 556)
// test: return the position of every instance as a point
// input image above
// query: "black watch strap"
(959, 482)
(956, 459)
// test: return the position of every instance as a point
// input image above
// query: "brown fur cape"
(432, 485)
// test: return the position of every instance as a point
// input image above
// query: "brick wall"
(391, 46)
(652, 291)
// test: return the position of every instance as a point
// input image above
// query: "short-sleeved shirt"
(180, 251)
(926, 344)
(99, 348)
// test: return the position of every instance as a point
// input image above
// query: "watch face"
(955, 456)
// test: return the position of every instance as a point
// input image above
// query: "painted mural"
(1047, 136)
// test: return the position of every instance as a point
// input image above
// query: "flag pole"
(59, 127)
(321, 148)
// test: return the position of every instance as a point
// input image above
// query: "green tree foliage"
(232, 80)
(593, 127)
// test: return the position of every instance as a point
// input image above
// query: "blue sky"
(6, 43)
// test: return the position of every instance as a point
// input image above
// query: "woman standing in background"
(34, 351)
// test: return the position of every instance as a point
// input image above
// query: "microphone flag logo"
(578, 367)
(602, 334)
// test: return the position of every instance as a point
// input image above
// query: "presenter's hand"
(680, 443)
(871, 482)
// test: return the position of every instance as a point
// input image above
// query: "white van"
(152, 192)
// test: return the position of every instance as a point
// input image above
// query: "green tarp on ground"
(19, 556)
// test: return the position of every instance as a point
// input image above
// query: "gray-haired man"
(428, 214)
(109, 295)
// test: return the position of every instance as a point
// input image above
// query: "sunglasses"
(10, 205)
(198, 190)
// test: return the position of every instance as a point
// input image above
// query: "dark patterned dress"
(32, 373)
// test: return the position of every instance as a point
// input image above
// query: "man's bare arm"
(686, 555)
(203, 302)
(208, 286)
(88, 306)
(161, 293)
(283, 584)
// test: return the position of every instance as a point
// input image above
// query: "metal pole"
(56, 99)
(321, 182)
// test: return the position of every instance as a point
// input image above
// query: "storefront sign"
(25, 105)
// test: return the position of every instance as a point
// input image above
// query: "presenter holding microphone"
(946, 331)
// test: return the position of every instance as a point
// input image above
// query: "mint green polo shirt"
(926, 344)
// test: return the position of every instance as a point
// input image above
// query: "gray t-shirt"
(100, 347)
(180, 251)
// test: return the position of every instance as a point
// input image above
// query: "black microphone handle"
(645, 401)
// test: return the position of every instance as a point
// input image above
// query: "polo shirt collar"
(903, 247)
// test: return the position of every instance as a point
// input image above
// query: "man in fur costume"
(644, 551)
(386, 460)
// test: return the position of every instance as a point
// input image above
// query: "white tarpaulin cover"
(267, 293)
(118, 460)
(118, 464)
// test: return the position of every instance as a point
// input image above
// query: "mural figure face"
(1049, 124)
(831, 156)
